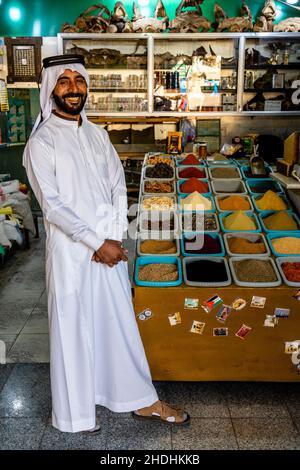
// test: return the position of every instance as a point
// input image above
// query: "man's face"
(70, 92)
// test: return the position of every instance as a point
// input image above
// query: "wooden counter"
(176, 354)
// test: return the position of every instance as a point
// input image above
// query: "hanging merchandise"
(4, 107)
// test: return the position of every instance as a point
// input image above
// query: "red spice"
(208, 244)
(291, 271)
(193, 184)
(190, 160)
(193, 171)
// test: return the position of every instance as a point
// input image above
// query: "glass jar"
(202, 149)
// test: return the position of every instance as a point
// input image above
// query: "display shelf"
(273, 67)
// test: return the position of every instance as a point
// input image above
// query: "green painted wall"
(45, 17)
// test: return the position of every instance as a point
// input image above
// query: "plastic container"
(158, 154)
(227, 186)
(180, 182)
(274, 235)
(206, 195)
(234, 167)
(256, 197)
(159, 194)
(256, 183)
(245, 169)
(193, 234)
(185, 216)
(183, 167)
(224, 196)
(188, 260)
(144, 170)
(262, 215)
(211, 162)
(288, 259)
(232, 262)
(157, 236)
(251, 214)
(253, 237)
(146, 215)
(143, 260)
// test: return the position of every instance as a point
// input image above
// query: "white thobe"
(96, 353)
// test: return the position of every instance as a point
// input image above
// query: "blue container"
(142, 261)
(207, 195)
(245, 169)
(264, 214)
(192, 234)
(249, 213)
(273, 235)
(180, 182)
(254, 182)
(254, 198)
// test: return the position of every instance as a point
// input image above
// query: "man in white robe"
(96, 354)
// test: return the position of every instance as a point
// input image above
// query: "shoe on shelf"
(164, 413)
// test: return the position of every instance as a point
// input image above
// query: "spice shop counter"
(260, 354)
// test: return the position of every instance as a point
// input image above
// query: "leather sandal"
(162, 412)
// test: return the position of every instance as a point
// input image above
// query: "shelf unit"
(239, 42)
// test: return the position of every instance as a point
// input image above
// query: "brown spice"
(254, 270)
(225, 173)
(158, 187)
(245, 246)
(158, 272)
(158, 246)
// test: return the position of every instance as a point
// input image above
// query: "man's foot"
(95, 430)
(160, 411)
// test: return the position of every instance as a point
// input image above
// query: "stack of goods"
(196, 202)
(157, 203)
(203, 270)
(158, 187)
(291, 271)
(202, 244)
(190, 160)
(158, 272)
(193, 184)
(280, 221)
(224, 172)
(255, 270)
(234, 203)
(287, 245)
(243, 246)
(15, 214)
(191, 172)
(239, 221)
(160, 170)
(158, 247)
(271, 201)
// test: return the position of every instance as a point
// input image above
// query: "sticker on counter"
(211, 303)
(282, 312)
(238, 304)
(223, 313)
(258, 302)
(174, 319)
(291, 347)
(296, 295)
(271, 321)
(220, 331)
(243, 331)
(191, 304)
(197, 327)
(145, 314)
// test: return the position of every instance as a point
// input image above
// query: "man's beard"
(62, 105)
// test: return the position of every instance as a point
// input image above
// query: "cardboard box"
(291, 147)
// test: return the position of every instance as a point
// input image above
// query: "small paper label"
(243, 331)
(197, 327)
(211, 303)
(175, 319)
(220, 332)
(258, 302)
(191, 304)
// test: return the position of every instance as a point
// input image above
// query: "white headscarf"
(49, 79)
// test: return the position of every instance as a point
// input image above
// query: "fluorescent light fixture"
(14, 13)
(36, 30)
(143, 3)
